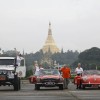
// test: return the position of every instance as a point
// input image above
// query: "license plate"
(50, 83)
(2, 78)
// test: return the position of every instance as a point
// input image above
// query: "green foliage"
(66, 58)
(30, 58)
(45, 65)
(92, 54)
(72, 76)
(98, 67)
(29, 73)
(90, 58)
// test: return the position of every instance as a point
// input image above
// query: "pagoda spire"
(50, 43)
(49, 30)
(49, 25)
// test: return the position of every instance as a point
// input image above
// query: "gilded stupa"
(50, 45)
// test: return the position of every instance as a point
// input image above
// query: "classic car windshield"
(49, 72)
(91, 72)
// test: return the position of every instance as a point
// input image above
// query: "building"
(50, 45)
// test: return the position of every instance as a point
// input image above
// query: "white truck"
(11, 70)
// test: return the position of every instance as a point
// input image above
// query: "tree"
(89, 58)
(92, 54)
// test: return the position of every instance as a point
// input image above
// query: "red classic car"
(89, 78)
(47, 78)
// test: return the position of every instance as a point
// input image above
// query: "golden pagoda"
(50, 45)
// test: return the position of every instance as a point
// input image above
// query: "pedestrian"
(79, 69)
(36, 68)
(66, 74)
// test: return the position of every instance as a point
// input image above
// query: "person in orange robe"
(66, 74)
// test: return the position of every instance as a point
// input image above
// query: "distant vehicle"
(47, 78)
(89, 78)
(11, 70)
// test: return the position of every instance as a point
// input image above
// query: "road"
(28, 93)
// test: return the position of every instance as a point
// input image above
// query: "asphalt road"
(28, 93)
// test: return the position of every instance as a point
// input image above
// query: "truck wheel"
(19, 83)
(61, 87)
(16, 83)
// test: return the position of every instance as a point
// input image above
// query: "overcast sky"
(24, 24)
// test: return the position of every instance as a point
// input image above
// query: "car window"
(49, 72)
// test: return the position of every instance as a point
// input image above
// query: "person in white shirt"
(36, 69)
(79, 69)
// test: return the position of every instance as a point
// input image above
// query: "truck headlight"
(4, 72)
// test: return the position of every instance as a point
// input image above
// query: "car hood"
(91, 76)
(50, 76)
(6, 67)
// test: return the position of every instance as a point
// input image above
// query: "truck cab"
(12, 69)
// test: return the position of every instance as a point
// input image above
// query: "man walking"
(66, 74)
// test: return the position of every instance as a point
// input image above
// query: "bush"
(72, 76)
(29, 73)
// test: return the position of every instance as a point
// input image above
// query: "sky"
(24, 24)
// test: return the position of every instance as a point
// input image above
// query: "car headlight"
(85, 78)
(61, 79)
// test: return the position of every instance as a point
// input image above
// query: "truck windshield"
(6, 61)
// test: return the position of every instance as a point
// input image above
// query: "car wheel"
(61, 87)
(37, 87)
(98, 87)
(80, 86)
(83, 86)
